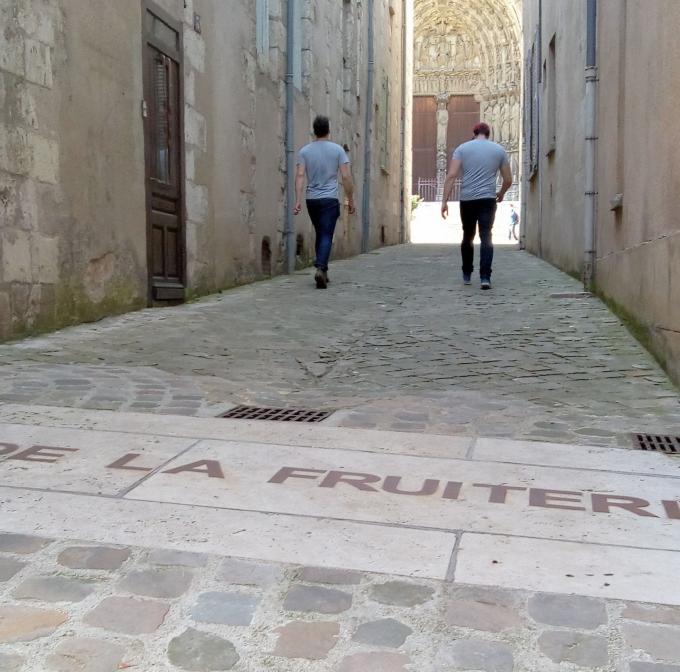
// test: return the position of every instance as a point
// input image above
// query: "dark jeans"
(324, 213)
(472, 213)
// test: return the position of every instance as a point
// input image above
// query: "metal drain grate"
(657, 443)
(571, 295)
(277, 414)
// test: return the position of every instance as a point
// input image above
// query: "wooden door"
(424, 140)
(162, 110)
(463, 115)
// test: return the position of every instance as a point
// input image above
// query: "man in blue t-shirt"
(323, 163)
(478, 163)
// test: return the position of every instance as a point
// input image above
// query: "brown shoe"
(320, 279)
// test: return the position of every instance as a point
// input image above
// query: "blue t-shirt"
(322, 160)
(480, 160)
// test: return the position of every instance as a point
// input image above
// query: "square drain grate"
(657, 443)
(277, 414)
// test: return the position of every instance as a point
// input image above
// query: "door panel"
(164, 155)
(424, 139)
(463, 115)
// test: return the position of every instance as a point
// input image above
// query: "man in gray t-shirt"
(478, 163)
(322, 163)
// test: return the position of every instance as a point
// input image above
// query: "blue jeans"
(324, 213)
(472, 213)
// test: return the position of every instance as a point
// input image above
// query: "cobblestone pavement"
(396, 342)
(81, 607)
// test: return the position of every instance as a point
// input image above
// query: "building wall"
(638, 245)
(73, 229)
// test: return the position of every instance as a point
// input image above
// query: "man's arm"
(507, 181)
(299, 184)
(348, 186)
(452, 176)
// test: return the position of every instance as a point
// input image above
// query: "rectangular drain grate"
(571, 295)
(277, 414)
(670, 445)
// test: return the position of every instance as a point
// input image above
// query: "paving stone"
(476, 654)
(569, 611)
(10, 662)
(53, 589)
(312, 641)
(316, 599)
(338, 577)
(24, 624)
(158, 582)
(386, 632)
(246, 573)
(660, 642)
(652, 614)
(225, 608)
(574, 647)
(482, 616)
(375, 662)
(637, 666)
(128, 615)
(8, 568)
(21, 544)
(93, 557)
(401, 594)
(177, 558)
(86, 655)
(202, 652)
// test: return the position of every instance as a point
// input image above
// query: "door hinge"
(145, 109)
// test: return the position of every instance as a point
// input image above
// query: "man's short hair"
(322, 126)
(482, 129)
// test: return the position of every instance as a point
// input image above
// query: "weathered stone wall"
(73, 241)
(637, 245)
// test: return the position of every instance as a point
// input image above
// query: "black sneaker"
(320, 279)
(486, 283)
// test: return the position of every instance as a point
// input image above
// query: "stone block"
(652, 614)
(45, 159)
(246, 573)
(660, 642)
(45, 259)
(37, 21)
(128, 615)
(194, 50)
(482, 616)
(225, 608)
(15, 151)
(5, 313)
(24, 624)
(9, 567)
(569, 611)
(311, 641)
(86, 655)
(165, 582)
(93, 557)
(573, 647)
(200, 652)
(401, 594)
(375, 662)
(315, 599)
(177, 558)
(15, 264)
(12, 47)
(21, 544)
(38, 63)
(195, 132)
(53, 589)
(478, 655)
(638, 666)
(338, 577)
(10, 662)
(386, 632)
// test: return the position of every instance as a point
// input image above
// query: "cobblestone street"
(140, 532)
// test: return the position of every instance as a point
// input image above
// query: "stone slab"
(569, 568)
(258, 536)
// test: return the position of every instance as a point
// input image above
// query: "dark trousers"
(324, 213)
(473, 213)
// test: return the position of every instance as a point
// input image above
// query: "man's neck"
(325, 137)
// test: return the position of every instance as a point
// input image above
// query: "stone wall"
(73, 228)
(637, 241)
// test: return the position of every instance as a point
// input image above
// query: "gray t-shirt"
(481, 160)
(322, 160)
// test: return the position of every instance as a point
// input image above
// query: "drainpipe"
(591, 147)
(404, 103)
(289, 222)
(366, 203)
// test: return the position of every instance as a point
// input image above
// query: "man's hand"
(351, 207)
(500, 196)
(297, 209)
(445, 210)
